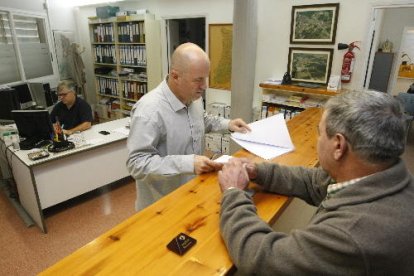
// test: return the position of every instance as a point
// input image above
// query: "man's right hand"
(203, 164)
(250, 168)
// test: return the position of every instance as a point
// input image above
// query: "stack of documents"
(268, 139)
(273, 81)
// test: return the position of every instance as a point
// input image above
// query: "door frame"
(164, 37)
(377, 12)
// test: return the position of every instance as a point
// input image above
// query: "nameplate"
(181, 244)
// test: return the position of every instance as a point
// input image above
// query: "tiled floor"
(27, 251)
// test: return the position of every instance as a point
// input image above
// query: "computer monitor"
(24, 95)
(38, 92)
(8, 102)
(42, 94)
(33, 126)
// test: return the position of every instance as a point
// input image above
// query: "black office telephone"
(411, 89)
(286, 78)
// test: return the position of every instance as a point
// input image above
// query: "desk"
(62, 176)
(137, 246)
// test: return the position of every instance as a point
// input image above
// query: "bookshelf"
(127, 61)
(291, 99)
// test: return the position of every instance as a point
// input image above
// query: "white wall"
(273, 32)
(27, 5)
(394, 22)
(215, 11)
(62, 17)
(35, 7)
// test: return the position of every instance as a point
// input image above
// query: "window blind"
(24, 45)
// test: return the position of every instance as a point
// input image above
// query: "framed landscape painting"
(310, 64)
(314, 24)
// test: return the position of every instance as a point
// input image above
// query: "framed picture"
(314, 24)
(310, 64)
(220, 52)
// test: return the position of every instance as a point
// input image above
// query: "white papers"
(273, 81)
(268, 139)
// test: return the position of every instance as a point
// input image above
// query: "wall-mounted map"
(220, 51)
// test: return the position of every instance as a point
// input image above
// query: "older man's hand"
(233, 175)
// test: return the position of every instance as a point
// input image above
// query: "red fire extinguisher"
(348, 63)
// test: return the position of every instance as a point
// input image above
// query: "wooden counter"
(137, 246)
(300, 89)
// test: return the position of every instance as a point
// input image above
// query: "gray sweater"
(365, 229)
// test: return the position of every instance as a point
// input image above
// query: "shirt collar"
(336, 187)
(175, 103)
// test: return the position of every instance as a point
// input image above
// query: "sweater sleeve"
(256, 249)
(309, 184)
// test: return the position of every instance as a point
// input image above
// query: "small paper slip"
(268, 139)
(223, 159)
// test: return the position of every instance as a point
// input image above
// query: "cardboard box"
(106, 11)
(227, 111)
(217, 109)
(213, 142)
(102, 111)
(225, 144)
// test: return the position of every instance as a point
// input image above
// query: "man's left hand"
(238, 125)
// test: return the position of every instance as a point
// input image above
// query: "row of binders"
(104, 54)
(133, 55)
(107, 86)
(103, 33)
(131, 32)
(134, 90)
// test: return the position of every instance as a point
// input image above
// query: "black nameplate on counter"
(181, 244)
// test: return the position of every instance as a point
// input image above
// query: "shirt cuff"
(187, 163)
(224, 124)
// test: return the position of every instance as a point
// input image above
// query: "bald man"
(165, 143)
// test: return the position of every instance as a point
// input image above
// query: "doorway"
(181, 30)
(391, 25)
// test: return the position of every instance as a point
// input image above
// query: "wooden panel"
(300, 89)
(138, 245)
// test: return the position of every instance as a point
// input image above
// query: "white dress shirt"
(165, 135)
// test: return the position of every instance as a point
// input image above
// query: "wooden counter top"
(137, 246)
(300, 89)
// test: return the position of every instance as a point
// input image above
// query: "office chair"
(407, 101)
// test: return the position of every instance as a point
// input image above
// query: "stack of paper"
(268, 139)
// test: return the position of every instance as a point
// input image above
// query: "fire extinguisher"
(348, 63)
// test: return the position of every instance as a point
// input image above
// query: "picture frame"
(314, 24)
(312, 65)
(220, 54)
